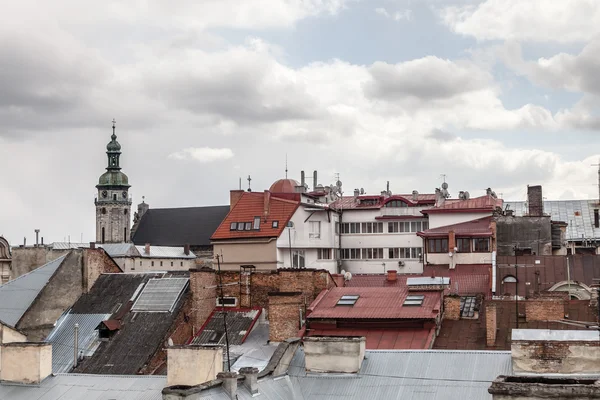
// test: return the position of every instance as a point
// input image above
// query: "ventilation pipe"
(37, 237)
(315, 180)
(302, 178)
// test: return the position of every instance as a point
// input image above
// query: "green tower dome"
(113, 177)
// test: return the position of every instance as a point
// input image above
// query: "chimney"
(234, 197)
(266, 204)
(535, 201)
(392, 275)
(415, 195)
(25, 362)
(325, 354)
(451, 241)
(92, 245)
(302, 178)
(147, 248)
(545, 351)
(250, 379)
(193, 365)
(186, 249)
(24, 241)
(491, 325)
(229, 383)
(284, 315)
(37, 237)
(42, 240)
(315, 180)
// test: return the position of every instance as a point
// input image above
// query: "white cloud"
(529, 20)
(202, 154)
(396, 16)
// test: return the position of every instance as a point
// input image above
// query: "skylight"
(414, 300)
(348, 300)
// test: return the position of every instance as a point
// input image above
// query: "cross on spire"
(114, 122)
(249, 180)
(286, 170)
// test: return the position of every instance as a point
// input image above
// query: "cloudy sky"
(493, 93)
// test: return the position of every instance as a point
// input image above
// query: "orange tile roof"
(251, 205)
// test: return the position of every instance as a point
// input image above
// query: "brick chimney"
(186, 249)
(535, 201)
(193, 365)
(25, 362)
(284, 315)
(491, 324)
(392, 275)
(234, 197)
(266, 204)
(147, 248)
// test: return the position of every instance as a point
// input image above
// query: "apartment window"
(481, 245)
(314, 229)
(425, 225)
(182, 263)
(226, 301)
(463, 245)
(438, 245)
(298, 259)
(372, 227)
(248, 226)
(256, 225)
(114, 197)
(337, 228)
(396, 203)
(161, 264)
(171, 263)
(371, 254)
(324, 254)
(415, 226)
(140, 263)
(393, 253)
(351, 254)
(354, 227)
(152, 263)
(275, 224)
(392, 227)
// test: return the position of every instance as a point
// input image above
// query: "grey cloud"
(441, 135)
(428, 78)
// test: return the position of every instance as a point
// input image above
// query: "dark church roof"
(179, 226)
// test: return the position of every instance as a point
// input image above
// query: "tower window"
(125, 211)
(103, 237)
(103, 210)
(125, 234)
(114, 196)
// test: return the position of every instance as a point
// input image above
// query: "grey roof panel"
(17, 295)
(164, 252)
(62, 338)
(160, 295)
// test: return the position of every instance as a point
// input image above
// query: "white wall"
(437, 220)
(459, 258)
(129, 264)
(298, 238)
(383, 240)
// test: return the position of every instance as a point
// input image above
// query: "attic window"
(414, 300)
(248, 226)
(240, 226)
(348, 300)
(233, 226)
(256, 225)
(275, 224)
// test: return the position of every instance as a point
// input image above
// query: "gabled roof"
(374, 303)
(179, 226)
(18, 295)
(477, 204)
(141, 333)
(251, 205)
(477, 228)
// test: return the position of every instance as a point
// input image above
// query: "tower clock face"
(124, 195)
(104, 193)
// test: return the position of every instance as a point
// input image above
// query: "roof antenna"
(249, 179)
(286, 170)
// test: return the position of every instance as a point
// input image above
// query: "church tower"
(113, 204)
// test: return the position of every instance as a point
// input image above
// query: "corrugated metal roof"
(62, 338)
(80, 386)
(68, 245)
(160, 295)
(164, 252)
(16, 296)
(579, 214)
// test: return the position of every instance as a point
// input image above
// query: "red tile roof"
(251, 205)
(464, 279)
(284, 186)
(350, 202)
(374, 303)
(483, 203)
(384, 339)
(477, 228)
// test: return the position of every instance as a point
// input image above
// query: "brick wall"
(491, 324)
(284, 315)
(547, 306)
(555, 356)
(535, 201)
(452, 308)
(96, 262)
(204, 293)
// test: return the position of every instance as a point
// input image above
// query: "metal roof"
(62, 338)
(82, 386)
(118, 249)
(428, 280)
(160, 295)
(164, 252)
(68, 245)
(579, 214)
(239, 323)
(18, 295)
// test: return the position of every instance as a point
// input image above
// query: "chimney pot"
(250, 379)
(92, 245)
(392, 275)
(229, 383)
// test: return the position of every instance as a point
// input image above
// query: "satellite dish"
(466, 195)
(348, 276)
(362, 190)
(170, 342)
(343, 272)
(450, 254)
(338, 184)
(444, 185)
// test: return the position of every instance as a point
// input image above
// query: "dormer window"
(396, 203)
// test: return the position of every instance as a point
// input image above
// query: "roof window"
(233, 226)
(275, 224)
(248, 226)
(256, 225)
(414, 300)
(348, 300)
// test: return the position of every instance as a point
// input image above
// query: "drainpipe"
(76, 347)
(493, 273)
